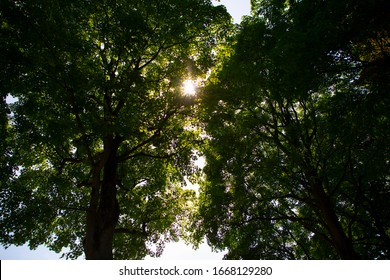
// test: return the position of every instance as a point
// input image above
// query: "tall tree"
(298, 126)
(100, 136)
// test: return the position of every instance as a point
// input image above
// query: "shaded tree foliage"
(298, 123)
(97, 144)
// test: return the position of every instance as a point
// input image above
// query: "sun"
(189, 87)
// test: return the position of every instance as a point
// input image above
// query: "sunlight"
(189, 87)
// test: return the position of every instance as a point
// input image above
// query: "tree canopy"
(298, 125)
(293, 121)
(99, 141)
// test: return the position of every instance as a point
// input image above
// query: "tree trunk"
(103, 213)
(340, 241)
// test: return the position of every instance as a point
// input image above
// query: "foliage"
(98, 141)
(298, 128)
(97, 146)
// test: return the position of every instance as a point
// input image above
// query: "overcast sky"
(173, 251)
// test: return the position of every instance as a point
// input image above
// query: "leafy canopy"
(98, 82)
(298, 150)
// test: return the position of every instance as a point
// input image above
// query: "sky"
(236, 8)
(173, 251)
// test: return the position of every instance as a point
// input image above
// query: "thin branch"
(64, 161)
(164, 47)
(151, 59)
(81, 209)
(129, 154)
(158, 129)
(152, 156)
(302, 246)
(131, 231)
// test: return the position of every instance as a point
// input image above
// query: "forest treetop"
(291, 115)
(98, 144)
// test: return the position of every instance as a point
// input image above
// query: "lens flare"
(189, 87)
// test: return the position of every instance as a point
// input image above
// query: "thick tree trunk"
(340, 241)
(103, 213)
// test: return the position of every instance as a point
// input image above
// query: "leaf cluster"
(84, 73)
(293, 112)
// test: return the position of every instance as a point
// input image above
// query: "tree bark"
(340, 241)
(103, 213)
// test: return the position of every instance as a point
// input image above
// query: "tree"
(99, 139)
(298, 152)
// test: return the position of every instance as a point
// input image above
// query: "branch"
(164, 47)
(151, 156)
(131, 231)
(129, 154)
(82, 209)
(79, 123)
(64, 161)
(151, 59)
